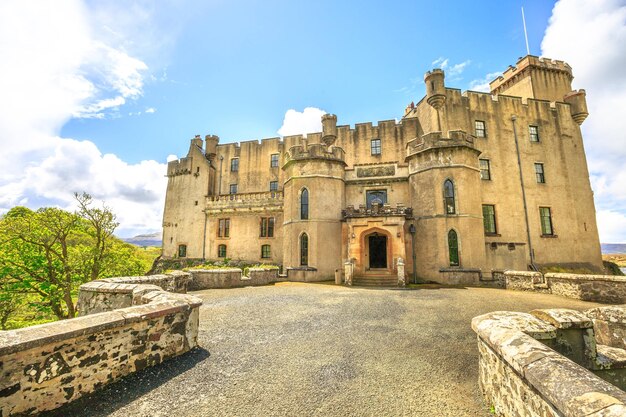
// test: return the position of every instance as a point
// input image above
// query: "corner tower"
(314, 194)
(535, 77)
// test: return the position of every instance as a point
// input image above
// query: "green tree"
(45, 255)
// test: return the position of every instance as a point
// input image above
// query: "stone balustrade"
(377, 210)
(46, 366)
(267, 200)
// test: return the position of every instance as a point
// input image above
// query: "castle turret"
(197, 141)
(211, 146)
(329, 129)
(435, 88)
(578, 105)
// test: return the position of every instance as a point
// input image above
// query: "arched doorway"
(377, 251)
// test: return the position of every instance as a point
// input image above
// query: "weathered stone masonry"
(543, 363)
(46, 366)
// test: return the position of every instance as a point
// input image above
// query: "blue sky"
(236, 67)
(99, 94)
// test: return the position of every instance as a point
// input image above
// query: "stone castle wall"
(523, 370)
(598, 288)
(46, 366)
(203, 279)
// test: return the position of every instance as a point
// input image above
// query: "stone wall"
(522, 374)
(203, 279)
(598, 288)
(46, 366)
(112, 293)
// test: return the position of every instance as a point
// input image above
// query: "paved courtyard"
(322, 350)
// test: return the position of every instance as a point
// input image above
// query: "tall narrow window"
(375, 147)
(267, 226)
(533, 132)
(304, 250)
(223, 228)
(489, 219)
(541, 177)
(273, 185)
(304, 204)
(274, 160)
(266, 251)
(485, 169)
(453, 248)
(448, 193)
(182, 251)
(546, 221)
(221, 251)
(233, 188)
(234, 165)
(479, 129)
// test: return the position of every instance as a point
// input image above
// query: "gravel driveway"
(322, 350)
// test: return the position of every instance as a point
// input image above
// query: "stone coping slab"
(564, 318)
(583, 277)
(570, 388)
(613, 314)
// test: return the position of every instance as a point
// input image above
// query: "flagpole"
(525, 32)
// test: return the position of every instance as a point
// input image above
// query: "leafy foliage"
(45, 255)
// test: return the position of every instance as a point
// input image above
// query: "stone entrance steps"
(375, 281)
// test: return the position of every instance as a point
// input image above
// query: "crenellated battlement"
(180, 166)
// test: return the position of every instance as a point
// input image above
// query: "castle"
(465, 185)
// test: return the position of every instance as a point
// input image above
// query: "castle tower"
(443, 180)
(534, 77)
(314, 194)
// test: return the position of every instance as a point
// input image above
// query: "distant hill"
(613, 248)
(152, 239)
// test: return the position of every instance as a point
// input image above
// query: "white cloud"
(591, 37)
(55, 66)
(150, 110)
(482, 84)
(440, 62)
(453, 71)
(458, 69)
(307, 121)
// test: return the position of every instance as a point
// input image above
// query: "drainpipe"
(521, 179)
(412, 232)
(206, 217)
(219, 185)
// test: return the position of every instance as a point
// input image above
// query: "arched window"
(453, 248)
(448, 194)
(304, 204)
(304, 250)
(221, 251)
